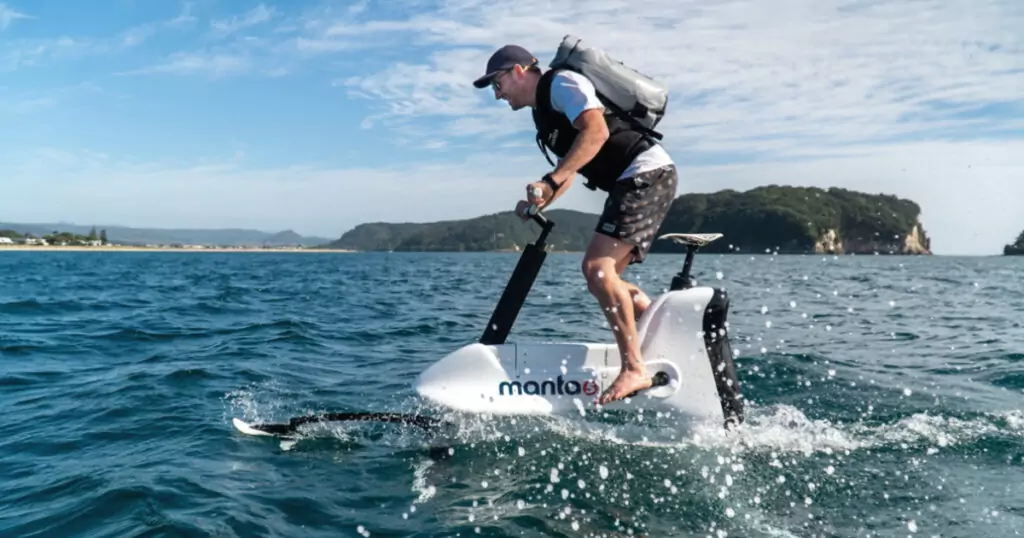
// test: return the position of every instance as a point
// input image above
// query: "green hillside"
(498, 231)
(773, 218)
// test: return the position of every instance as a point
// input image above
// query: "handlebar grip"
(534, 211)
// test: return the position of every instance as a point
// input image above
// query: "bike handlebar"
(534, 212)
(537, 217)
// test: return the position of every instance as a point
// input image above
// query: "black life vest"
(555, 131)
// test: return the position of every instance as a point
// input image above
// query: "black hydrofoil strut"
(518, 287)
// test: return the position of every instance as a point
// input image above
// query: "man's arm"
(574, 95)
(593, 132)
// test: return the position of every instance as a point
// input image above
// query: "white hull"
(562, 378)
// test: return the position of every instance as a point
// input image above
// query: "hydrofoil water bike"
(684, 344)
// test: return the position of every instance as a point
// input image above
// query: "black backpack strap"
(544, 150)
(629, 117)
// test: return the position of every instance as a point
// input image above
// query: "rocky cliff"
(913, 243)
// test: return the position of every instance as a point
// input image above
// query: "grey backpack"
(635, 97)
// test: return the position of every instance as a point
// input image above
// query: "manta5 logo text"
(544, 388)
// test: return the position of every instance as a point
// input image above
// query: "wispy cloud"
(254, 16)
(214, 65)
(20, 53)
(744, 75)
(138, 34)
(23, 53)
(185, 17)
(25, 102)
(9, 15)
(225, 51)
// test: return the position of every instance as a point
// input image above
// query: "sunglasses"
(495, 83)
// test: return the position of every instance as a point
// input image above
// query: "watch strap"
(550, 182)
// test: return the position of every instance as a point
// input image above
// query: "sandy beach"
(118, 248)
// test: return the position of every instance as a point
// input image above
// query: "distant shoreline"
(117, 248)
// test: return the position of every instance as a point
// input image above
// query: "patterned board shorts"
(636, 207)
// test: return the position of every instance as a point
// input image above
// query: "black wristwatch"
(551, 183)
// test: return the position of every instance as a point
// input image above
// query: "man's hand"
(539, 193)
(521, 210)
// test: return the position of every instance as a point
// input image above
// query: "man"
(637, 173)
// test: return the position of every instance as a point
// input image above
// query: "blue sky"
(316, 116)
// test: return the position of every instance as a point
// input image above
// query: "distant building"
(6, 241)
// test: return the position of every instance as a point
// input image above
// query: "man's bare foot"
(627, 383)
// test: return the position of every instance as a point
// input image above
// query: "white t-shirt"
(572, 93)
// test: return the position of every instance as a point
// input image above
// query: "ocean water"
(885, 398)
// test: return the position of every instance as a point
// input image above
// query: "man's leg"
(640, 299)
(601, 268)
(632, 216)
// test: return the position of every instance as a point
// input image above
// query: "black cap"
(505, 58)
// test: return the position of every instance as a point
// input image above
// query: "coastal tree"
(1015, 249)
